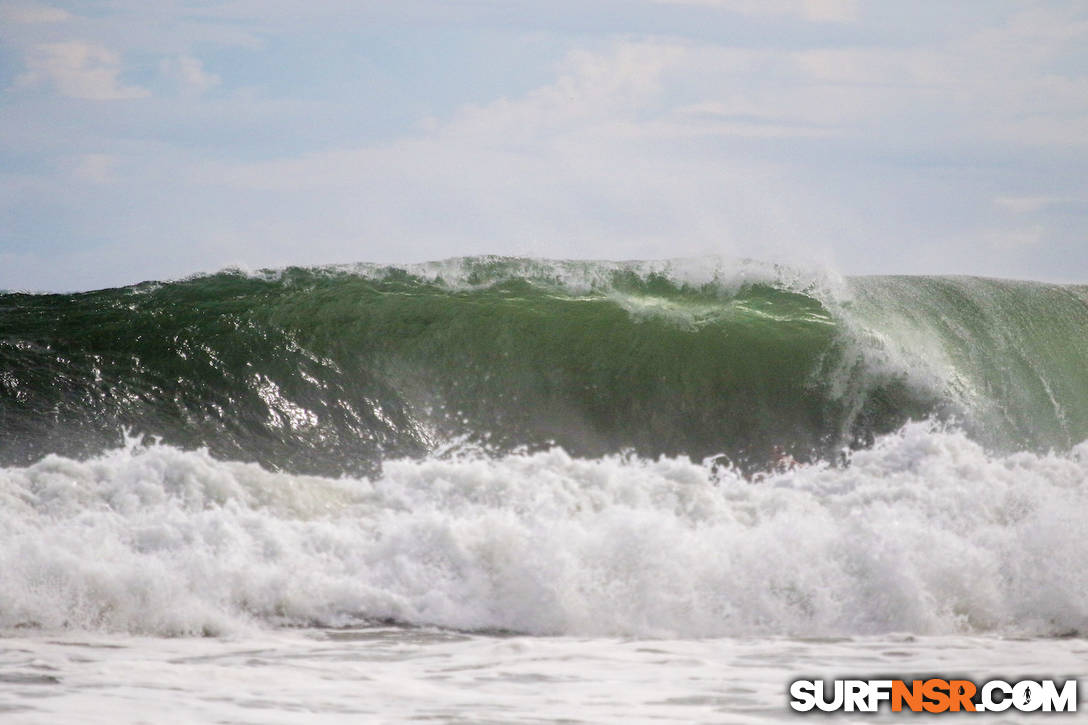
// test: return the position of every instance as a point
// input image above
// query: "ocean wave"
(334, 370)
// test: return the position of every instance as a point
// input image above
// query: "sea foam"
(925, 532)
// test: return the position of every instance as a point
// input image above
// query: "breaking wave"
(924, 532)
(331, 371)
(690, 448)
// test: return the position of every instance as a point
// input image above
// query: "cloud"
(78, 70)
(641, 147)
(1014, 239)
(189, 74)
(598, 162)
(1033, 204)
(30, 13)
(831, 10)
(96, 168)
(594, 93)
(901, 145)
(617, 83)
(836, 11)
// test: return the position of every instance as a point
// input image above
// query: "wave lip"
(925, 532)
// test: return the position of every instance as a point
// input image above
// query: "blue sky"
(153, 140)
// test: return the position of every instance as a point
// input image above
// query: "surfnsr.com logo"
(934, 695)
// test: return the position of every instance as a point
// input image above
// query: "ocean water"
(509, 490)
(393, 675)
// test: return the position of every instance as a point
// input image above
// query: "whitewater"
(503, 490)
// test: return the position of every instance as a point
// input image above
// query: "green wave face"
(332, 370)
(1010, 357)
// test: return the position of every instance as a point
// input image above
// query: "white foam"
(582, 276)
(924, 533)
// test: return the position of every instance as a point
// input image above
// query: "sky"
(153, 140)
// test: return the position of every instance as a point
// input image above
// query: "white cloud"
(590, 87)
(31, 13)
(882, 157)
(596, 162)
(189, 74)
(78, 70)
(837, 11)
(998, 85)
(1014, 239)
(645, 148)
(1032, 204)
(96, 168)
(594, 93)
(831, 10)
